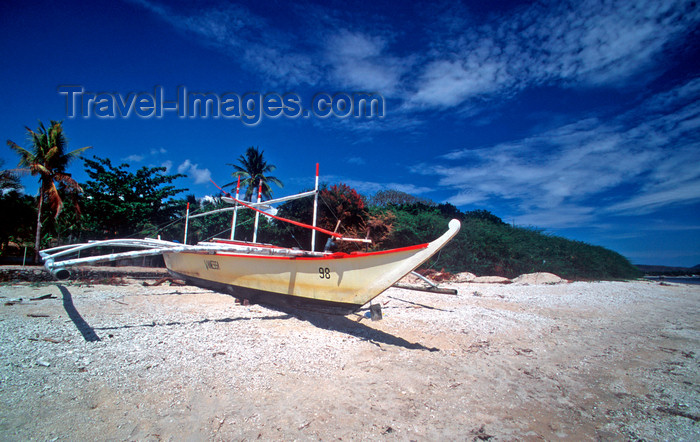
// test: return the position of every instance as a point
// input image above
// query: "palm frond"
(77, 152)
(23, 171)
(25, 157)
(68, 181)
(253, 169)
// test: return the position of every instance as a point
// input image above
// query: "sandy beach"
(526, 361)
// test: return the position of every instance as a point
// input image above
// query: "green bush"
(487, 246)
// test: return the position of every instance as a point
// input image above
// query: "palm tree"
(47, 158)
(252, 169)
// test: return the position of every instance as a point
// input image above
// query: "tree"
(120, 203)
(485, 215)
(253, 170)
(8, 180)
(47, 157)
(69, 225)
(16, 214)
(341, 206)
(388, 197)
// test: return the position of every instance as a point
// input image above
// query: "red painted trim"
(338, 255)
(383, 252)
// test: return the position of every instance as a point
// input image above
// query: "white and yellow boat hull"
(337, 282)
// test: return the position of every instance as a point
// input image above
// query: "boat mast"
(257, 214)
(313, 231)
(187, 221)
(235, 210)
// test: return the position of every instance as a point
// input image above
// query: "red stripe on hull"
(338, 255)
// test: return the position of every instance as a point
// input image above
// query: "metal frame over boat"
(331, 282)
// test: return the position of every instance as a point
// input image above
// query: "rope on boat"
(279, 218)
(290, 221)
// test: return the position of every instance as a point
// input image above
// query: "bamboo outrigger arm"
(57, 259)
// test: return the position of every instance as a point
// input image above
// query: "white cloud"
(665, 226)
(137, 158)
(358, 161)
(208, 199)
(561, 217)
(656, 199)
(247, 37)
(134, 158)
(452, 59)
(639, 162)
(448, 83)
(193, 171)
(569, 163)
(372, 187)
(587, 42)
(361, 61)
(603, 42)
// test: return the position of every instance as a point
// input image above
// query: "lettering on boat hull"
(211, 264)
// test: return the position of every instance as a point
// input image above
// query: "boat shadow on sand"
(353, 327)
(178, 323)
(83, 327)
(341, 324)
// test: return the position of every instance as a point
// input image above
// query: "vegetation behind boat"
(485, 246)
(488, 246)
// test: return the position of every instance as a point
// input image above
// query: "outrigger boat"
(333, 282)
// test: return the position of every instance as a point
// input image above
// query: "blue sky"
(577, 117)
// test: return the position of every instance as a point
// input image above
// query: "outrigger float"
(332, 282)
